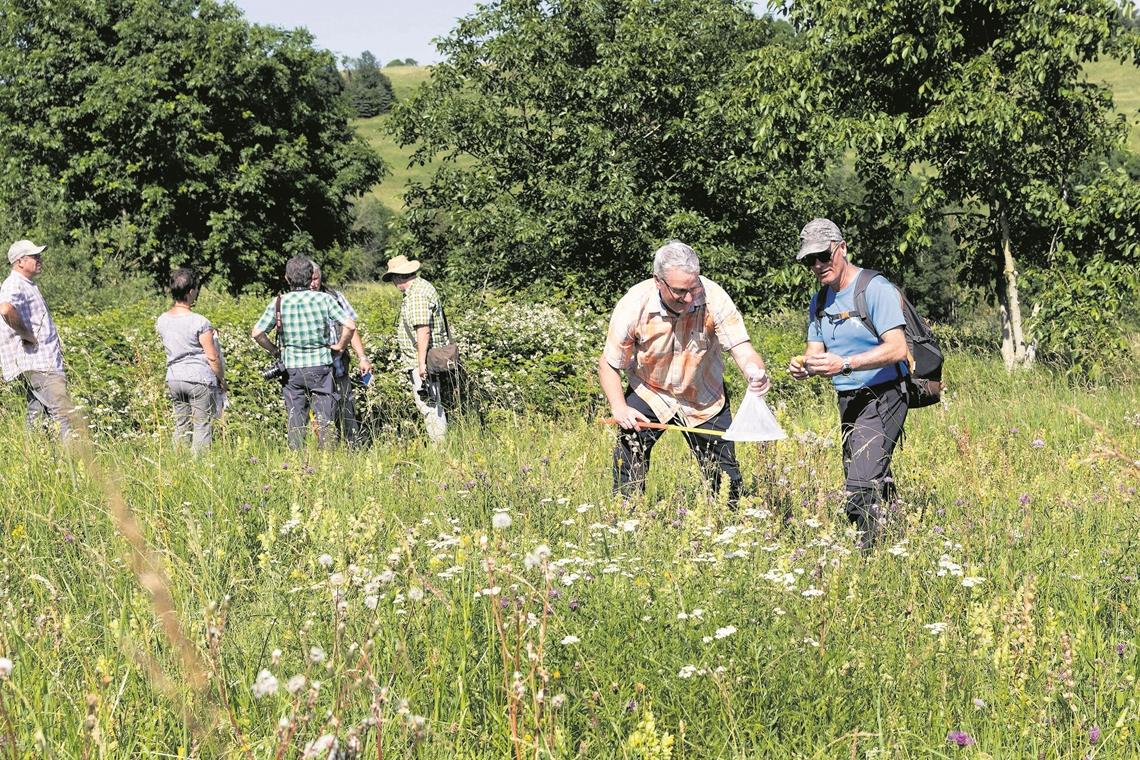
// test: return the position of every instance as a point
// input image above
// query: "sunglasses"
(822, 257)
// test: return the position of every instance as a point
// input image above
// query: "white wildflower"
(325, 560)
(687, 671)
(265, 685)
(535, 558)
(935, 629)
(570, 640)
(416, 593)
(629, 526)
(811, 522)
(336, 580)
(898, 551)
(724, 633)
(501, 521)
(811, 591)
(295, 684)
(316, 655)
(5, 667)
(973, 580)
(371, 601)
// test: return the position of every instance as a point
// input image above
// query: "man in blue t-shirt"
(868, 372)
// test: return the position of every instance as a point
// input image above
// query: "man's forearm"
(13, 319)
(610, 381)
(263, 340)
(423, 337)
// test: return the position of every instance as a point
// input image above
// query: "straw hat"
(400, 265)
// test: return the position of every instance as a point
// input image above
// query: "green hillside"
(1124, 81)
(405, 80)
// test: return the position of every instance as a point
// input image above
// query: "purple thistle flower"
(245, 507)
(960, 738)
(1120, 647)
(1024, 499)
(574, 605)
(1094, 734)
(554, 593)
(631, 706)
(1038, 443)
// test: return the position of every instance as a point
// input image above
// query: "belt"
(873, 389)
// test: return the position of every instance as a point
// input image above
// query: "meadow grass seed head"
(501, 521)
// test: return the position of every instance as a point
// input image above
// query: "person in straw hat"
(420, 326)
(29, 343)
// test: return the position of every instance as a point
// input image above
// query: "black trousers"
(714, 454)
(871, 420)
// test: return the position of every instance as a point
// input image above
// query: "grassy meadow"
(490, 599)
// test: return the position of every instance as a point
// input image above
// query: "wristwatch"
(846, 366)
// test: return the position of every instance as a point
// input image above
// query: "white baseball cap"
(22, 248)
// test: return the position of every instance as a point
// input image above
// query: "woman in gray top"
(195, 373)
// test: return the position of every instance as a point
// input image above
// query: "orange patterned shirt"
(673, 361)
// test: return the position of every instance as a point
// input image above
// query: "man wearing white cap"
(421, 326)
(29, 343)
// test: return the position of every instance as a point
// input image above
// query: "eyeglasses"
(822, 257)
(679, 293)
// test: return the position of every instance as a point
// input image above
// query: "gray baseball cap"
(818, 235)
(22, 248)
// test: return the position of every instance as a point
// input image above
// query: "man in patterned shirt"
(344, 405)
(29, 343)
(419, 327)
(305, 353)
(667, 334)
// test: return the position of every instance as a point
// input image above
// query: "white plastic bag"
(754, 421)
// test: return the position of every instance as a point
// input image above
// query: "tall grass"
(999, 615)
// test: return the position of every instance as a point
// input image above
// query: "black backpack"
(924, 357)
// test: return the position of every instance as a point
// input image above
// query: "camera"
(275, 371)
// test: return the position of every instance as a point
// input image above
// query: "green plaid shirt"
(421, 306)
(305, 316)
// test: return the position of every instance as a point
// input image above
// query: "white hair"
(675, 255)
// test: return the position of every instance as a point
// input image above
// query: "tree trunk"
(1013, 344)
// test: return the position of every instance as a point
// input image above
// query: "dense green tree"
(169, 132)
(986, 104)
(577, 135)
(369, 89)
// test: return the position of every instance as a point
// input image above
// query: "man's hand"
(423, 372)
(825, 365)
(759, 382)
(365, 365)
(797, 367)
(629, 418)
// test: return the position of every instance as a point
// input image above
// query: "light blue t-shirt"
(850, 336)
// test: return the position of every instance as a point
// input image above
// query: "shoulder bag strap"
(446, 328)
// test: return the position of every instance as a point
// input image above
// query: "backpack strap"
(861, 282)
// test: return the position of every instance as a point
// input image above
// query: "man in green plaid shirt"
(419, 327)
(305, 350)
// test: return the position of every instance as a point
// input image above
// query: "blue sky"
(388, 28)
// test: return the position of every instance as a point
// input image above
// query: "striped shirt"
(17, 357)
(305, 316)
(421, 306)
(673, 361)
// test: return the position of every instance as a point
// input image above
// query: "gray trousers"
(305, 388)
(48, 398)
(872, 421)
(193, 414)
